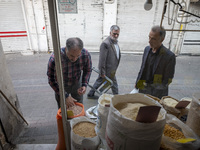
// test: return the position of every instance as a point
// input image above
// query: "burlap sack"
(170, 110)
(153, 97)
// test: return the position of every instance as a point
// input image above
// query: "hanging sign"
(67, 6)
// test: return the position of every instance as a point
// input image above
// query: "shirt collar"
(158, 51)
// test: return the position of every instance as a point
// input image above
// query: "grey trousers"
(100, 80)
(73, 91)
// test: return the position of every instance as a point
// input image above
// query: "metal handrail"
(108, 80)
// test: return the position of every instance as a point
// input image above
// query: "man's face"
(73, 54)
(155, 41)
(114, 34)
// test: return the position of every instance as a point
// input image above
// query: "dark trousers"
(157, 91)
(72, 90)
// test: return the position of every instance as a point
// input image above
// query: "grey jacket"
(108, 62)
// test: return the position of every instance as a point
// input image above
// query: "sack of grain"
(178, 136)
(184, 112)
(75, 111)
(125, 133)
(169, 104)
(189, 99)
(102, 115)
(153, 97)
(83, 134)
(193, 118)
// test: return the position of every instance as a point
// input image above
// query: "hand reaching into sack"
(70, 101)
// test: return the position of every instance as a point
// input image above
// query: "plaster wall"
(34, 17)
(11, 16)
(92, 23)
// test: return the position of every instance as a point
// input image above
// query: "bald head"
(73, 49)
(74, 43)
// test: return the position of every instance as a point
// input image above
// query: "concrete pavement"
(37, 101)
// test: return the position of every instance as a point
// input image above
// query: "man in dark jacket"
(158, 66)
(109, 58)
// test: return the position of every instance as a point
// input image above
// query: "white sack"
(127, 134)
(102, 116)
(83, 143)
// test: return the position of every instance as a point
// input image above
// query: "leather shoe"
(89, 96)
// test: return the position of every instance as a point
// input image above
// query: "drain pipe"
(56, 46)
(27, 25)
(36, 29)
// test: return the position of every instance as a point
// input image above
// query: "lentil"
(173, 132)
(85, 129)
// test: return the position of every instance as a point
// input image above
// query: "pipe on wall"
(26, 25)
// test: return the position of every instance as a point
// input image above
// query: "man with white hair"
(109, 58)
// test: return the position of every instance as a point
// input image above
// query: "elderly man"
(158, 65)
(75, 61)
(109, 58)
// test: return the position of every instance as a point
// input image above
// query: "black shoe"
(92, 96)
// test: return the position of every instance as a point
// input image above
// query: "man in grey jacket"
(109, 58)
(158, 66)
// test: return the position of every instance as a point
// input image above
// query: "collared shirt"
(115, 43)
(71, 70)
(147, 74)
(117, 50)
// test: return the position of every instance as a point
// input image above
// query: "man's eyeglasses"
(115, 34)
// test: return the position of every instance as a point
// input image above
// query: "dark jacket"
(163, 72)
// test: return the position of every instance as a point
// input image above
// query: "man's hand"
(70, 101)
(103, 75)
(82, 90)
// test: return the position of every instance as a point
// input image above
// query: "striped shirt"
(71, 70)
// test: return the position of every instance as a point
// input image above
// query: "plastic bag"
(134, 91)
(91, 113)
